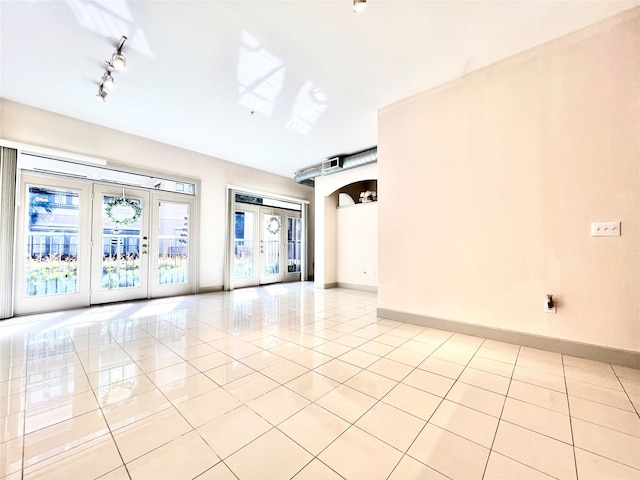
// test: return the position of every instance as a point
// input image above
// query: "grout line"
(405, 453)
(573, 442)
(625, 391)
(504, 402)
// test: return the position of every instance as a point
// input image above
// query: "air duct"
(307, 175)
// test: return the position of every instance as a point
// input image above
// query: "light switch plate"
(605, 229)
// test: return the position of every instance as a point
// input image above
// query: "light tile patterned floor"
(287, 381)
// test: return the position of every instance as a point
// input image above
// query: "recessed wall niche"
(354, 189)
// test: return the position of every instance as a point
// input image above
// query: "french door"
(83, 243)
(120, 244)
(267, 246)
(53, 247)
(271, 242)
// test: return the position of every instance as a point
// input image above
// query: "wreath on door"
(136, 211)
(273, 225)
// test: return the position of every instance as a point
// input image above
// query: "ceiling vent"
(331, 165)
(307, 176)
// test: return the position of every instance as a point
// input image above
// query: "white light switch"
(605, 229)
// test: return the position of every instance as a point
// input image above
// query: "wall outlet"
(605, 229)
(553, 309)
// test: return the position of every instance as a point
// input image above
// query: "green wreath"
(273, 226)
(123, 202)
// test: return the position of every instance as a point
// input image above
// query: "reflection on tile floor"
(287, 381)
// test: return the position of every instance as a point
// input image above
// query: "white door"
(271, 246)
(120, 250)
(170, 243)
(53, 244)
(294, 246)
(245, 246)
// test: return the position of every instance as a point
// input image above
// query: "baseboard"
(210, 289)
(626, 358)
(325, 286)
(356, 286)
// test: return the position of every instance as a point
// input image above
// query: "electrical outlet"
(550, 301)
(605, 229)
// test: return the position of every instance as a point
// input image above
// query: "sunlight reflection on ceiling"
(311, 103)
(260, 76)
(111, 20)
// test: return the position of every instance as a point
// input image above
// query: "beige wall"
(498, 176)
(326, 234)
(25, 124)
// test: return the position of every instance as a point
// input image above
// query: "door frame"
(90, 247)
(229, 283)
(252, 280)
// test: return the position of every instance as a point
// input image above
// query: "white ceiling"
(313, 73)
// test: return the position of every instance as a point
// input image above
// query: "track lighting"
(116, 63)
(359, 5)
(102, 95)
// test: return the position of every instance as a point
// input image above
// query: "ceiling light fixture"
(359, 5)
(102, 95)
(118, 62)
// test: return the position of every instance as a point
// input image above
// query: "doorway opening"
(267, 242)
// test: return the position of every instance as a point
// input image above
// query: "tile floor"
(287, 381)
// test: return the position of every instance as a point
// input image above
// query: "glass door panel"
(170, 261)
(243, 246)
(53, 217)
(120, 244)
(294, 248)
(173, 243)
(52, 241)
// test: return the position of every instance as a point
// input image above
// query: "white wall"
(501, 173)
(357, 245)
(25, 124)
(326, 233)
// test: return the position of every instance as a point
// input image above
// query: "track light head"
(118, 62)
(102, 95)
(359, 5)
(107, 80)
